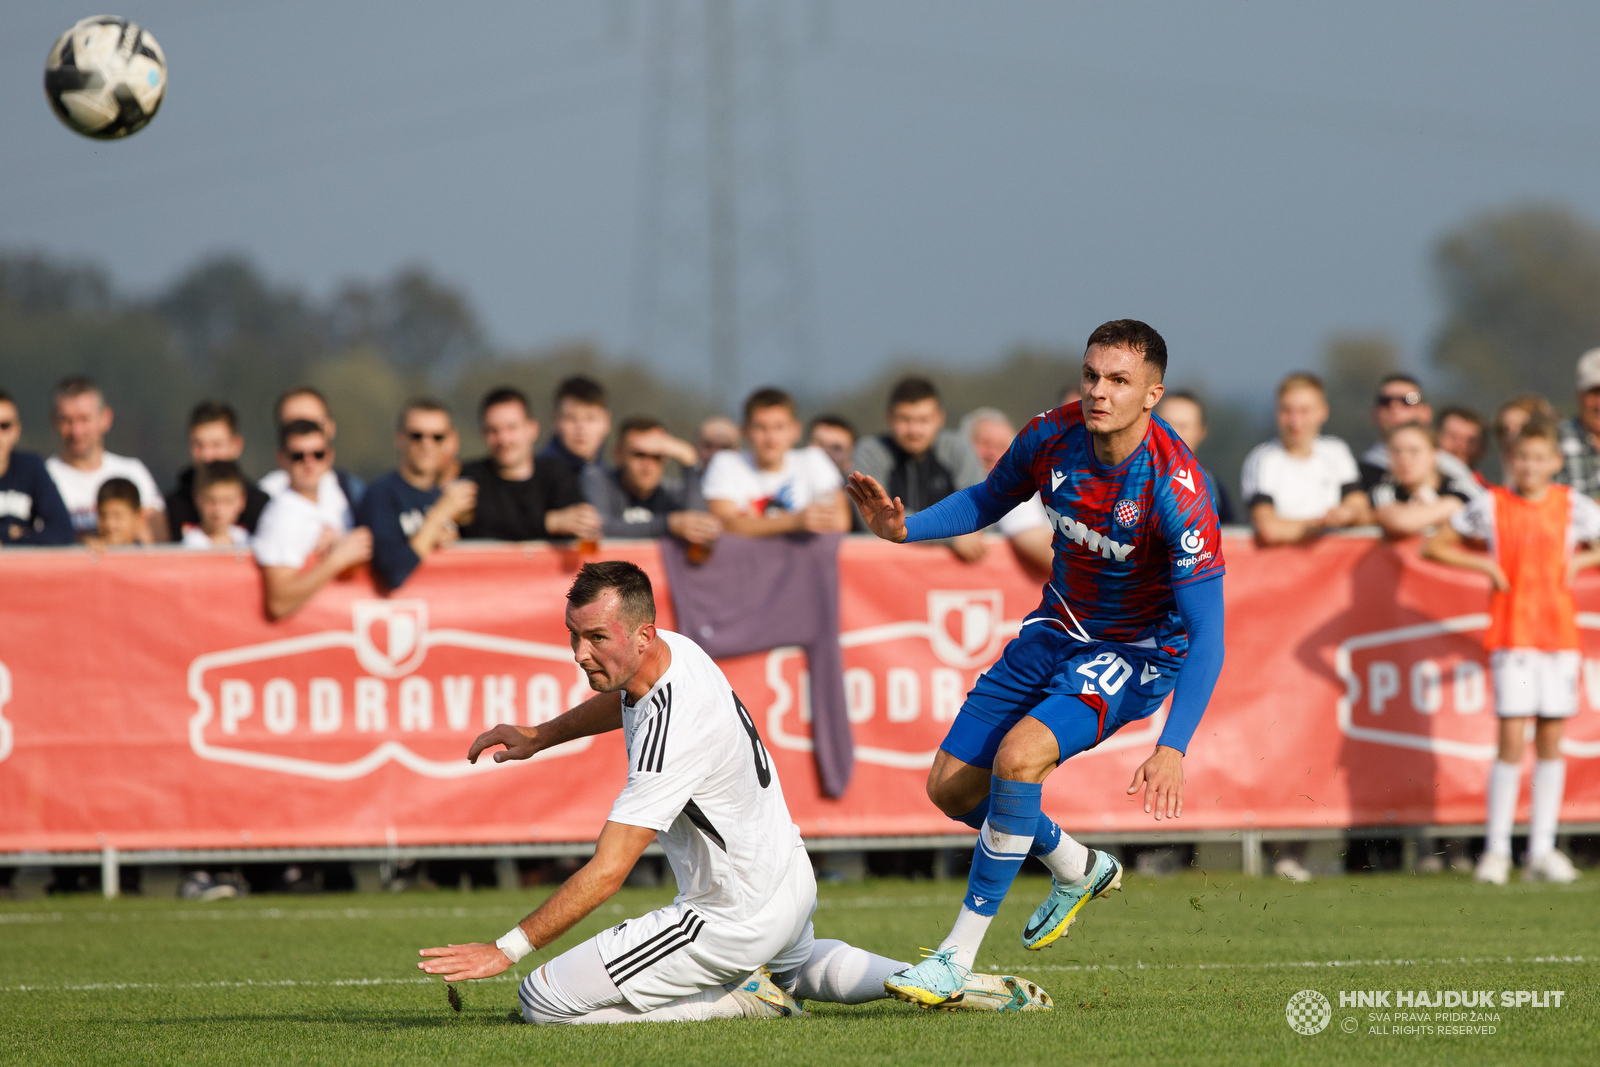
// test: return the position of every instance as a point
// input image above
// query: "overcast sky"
(1247, 177)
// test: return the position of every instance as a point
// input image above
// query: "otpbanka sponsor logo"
(338, 705)
(1416, 1012)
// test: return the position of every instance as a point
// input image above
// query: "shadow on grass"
(364, 1020)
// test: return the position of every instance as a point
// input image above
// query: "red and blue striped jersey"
(1124, 537)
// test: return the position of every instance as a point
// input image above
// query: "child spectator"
(409, 513)
(31, 511)
(775, 487)
(1414, 497)
(1530, 531)
(119, 516)
(918, 461)
(583, 422)
(1303, 483)
(638, 499)
(1462, 434)
(308, 518)
(220, 496)
(1511, 416)
(520, 499)
(1183, 411)
(213, 437)
(1026, 526)
(82, 419)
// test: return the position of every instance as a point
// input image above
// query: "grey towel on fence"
(760, 593)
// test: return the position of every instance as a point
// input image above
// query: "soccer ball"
(105, 77)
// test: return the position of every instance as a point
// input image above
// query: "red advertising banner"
(145, 701)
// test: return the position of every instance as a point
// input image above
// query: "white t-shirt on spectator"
(195, 537)
(1028, 515)
(1300, 488)
(335, 506)
(78, 488)
(290, 528)
(807, 475)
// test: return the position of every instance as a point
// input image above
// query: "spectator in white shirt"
(775, 487)
(340, 491)
(1026, 526)
(219, 499)
(297, 526)
(82, 419)
(1303, 483)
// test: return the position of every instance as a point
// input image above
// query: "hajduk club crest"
(1127, 513)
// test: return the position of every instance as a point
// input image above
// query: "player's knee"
(539, 1006)
(1021, 763)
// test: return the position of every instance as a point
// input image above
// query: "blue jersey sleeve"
(393, 558)
(1200, 604)
(982, 505)
(1187, 519)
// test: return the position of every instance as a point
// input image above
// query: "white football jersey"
(700, 777)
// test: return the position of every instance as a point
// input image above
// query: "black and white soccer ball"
(106, 77)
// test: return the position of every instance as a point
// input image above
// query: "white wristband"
(515, 944)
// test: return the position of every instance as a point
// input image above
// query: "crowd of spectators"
(309, 520)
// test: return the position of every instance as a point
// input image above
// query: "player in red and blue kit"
(1132, 613)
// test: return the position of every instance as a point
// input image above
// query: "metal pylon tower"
(721, 280)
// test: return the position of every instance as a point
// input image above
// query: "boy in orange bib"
(1532, 531)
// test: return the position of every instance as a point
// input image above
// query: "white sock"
(843, 974)
(1068, 861)
(1505, 782)
(967, 936)
(1549, 781)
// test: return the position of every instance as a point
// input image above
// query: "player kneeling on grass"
(738, 939)
(1530, 530)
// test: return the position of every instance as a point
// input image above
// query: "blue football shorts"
(1084, 692)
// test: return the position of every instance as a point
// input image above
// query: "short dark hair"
(631, 583)
(298, 428)
(1132, 334)
(505, 394)
(1191, 397)
(214, 411)
(581, 388)
(290, 394)
(218, 472)
(5, 398)
(77, 385)
(1465, 414)
(837, 421)
(768, 397)
(1399, 376)
(638, 424)
(1539, 426)
(117, 489)
(419, 403)
(912, 390)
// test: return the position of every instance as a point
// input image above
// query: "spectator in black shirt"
(583, 422)
(213, 438)
(410, 515)
(1183, 411)
(637, 499)
(518, 499)
(31, 510)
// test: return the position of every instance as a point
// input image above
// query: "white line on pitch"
(1276, 964)
(242, 984)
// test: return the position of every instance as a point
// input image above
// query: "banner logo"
(963, 625)
(389, 635)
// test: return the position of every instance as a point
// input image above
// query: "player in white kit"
(737, 940)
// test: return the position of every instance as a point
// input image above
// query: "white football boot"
(1493, 867)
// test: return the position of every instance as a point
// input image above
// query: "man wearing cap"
(1399, 402)
(1580, 435)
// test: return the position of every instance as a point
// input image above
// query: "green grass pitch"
(1188, 969)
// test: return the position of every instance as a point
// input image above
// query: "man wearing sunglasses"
(31, 511)
(299, 523)
(410, 514)
(638, 499)
(1399, 402)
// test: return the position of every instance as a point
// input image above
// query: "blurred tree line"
(1520, 292)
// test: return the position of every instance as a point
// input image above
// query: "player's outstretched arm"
(597, 715)
(618, 849)
(884, 516)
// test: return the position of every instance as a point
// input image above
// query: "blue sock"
(975, 817)
(1046, 836)
(1003, 843)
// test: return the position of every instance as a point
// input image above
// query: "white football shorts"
(674, 952)
(1531, 681)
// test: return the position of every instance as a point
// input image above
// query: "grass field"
(1189, 969)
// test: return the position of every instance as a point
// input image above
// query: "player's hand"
(458, 963)
(883, 516)
(1161, 777)
(520, 741)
